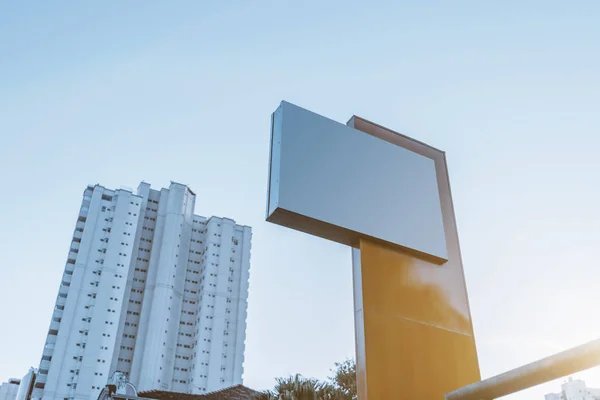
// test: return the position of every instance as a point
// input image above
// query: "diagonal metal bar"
(556, 366)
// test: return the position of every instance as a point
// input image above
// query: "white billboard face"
(334, 181)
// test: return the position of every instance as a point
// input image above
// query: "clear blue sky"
(118, 92)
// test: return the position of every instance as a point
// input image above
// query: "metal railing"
(564, 363)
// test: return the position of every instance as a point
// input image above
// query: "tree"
(344, 379)
(294, 388)
(341, 386)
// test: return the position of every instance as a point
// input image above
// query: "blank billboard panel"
(334, 181)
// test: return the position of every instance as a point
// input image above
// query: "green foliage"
(294, 388)
(344, 379)
(341, 386)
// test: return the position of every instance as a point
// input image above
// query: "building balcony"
(48, 349)
(55, 325)
(44, 365)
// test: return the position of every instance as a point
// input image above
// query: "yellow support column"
(413, 324)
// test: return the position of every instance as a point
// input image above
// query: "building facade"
(26, 385)
(575, 389)
(151, 290)
(8, 390)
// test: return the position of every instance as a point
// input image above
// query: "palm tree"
(297, 387)
(341, 386)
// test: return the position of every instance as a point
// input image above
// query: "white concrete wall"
(8, 390)
(26, 385)
(84, 333)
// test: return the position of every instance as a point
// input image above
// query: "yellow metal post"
(414, 332)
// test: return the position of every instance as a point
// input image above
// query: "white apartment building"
(8, 390)
(151, 290)
(575, 389)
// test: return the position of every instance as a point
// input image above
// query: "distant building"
(151, 290)
(8, 390)
(575, 389)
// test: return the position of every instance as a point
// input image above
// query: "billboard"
(342, 184)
